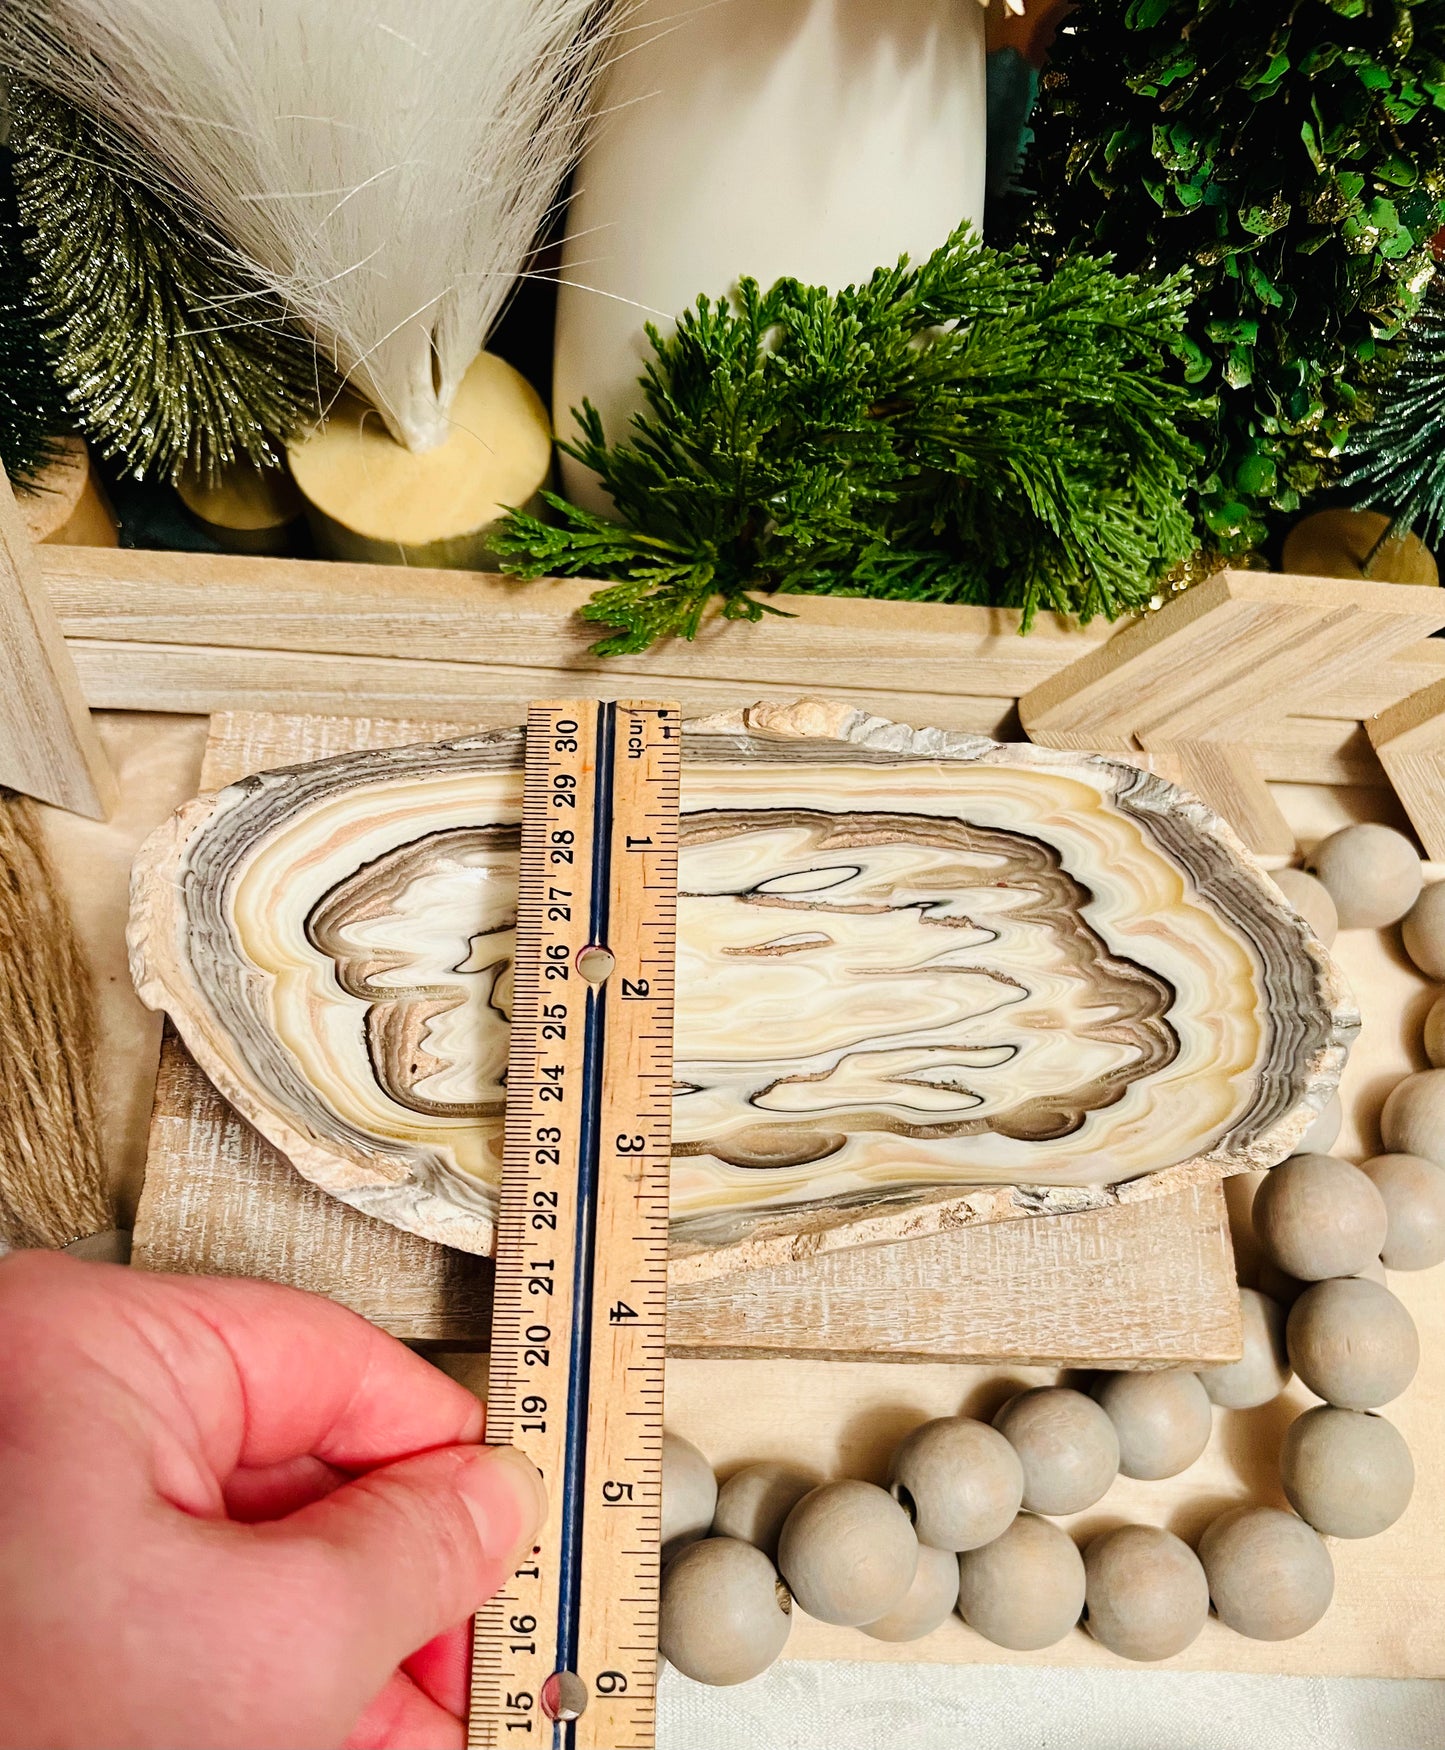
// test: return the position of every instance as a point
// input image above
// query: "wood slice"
(245, 509)
(1351, 543)
(66, 504)
(368, 498)
(925, 981)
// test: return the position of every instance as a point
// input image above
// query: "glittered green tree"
(169, 360)
(1397, 464)
(962, 430)
(32, 407)
(1294, 157)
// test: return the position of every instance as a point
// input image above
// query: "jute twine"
(52, 1178)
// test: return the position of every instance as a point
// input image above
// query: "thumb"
(415, 1547)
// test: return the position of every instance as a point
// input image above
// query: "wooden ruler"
(566, 1655)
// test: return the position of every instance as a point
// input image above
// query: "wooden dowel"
(48, 744)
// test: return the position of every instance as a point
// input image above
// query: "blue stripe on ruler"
(569, 1602)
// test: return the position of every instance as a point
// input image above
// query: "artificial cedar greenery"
(963, 430)
(32, 407)
(1294, 157)
(167, 359)
(1397, 463)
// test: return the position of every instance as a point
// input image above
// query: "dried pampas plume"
(383, 165)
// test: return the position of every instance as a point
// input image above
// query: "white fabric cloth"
(803, 1706)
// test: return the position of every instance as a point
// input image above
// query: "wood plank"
(826, 642)
(1217, 669)
(1028, 1292)
(1141, 1285)
(204, 681)
(211, 680)
(48, 745)
(1409, 740)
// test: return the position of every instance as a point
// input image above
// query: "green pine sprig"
(1294, 158)
(168, 358)
(33, 410)
(963, 430)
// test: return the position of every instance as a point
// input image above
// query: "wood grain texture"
(218, 1198)
(48, 745)
(1216, 669)
(218, 1201)
(190, 679)
(220, 602)
(826, 642)
(212, 681)
(1130, 1287)
(1409, 741)
(1125, 1288)
(206, 633)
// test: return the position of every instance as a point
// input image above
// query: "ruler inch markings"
(578, 1335)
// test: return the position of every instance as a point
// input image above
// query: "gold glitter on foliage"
(1199, 567)
(170, 361)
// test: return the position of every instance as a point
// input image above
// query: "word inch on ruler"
(565, 1657)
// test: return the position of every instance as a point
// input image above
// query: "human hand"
(235, 1515)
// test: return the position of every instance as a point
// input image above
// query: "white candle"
(818, 138)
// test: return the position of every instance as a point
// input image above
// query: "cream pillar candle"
(818, 138)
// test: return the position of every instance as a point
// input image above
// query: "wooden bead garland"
(1327, 1230)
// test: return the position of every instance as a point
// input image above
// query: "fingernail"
(507, 1499)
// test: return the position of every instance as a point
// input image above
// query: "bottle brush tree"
(32, 407)
(169, 358)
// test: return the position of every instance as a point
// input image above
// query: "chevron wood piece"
(1409, 741)
(48, 744)
(1221, 666)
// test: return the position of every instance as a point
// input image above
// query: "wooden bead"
(1435, 1032)
(1349, 1474)
(1423, 931)
(1146, 1596)
(1373, 875)
(959, 1480)
(1413, 1119)
(1320, 1138)
(725, 1614)
(848, 1553)
(1066, 1444)
(689, 1493)
(1025, 1589)
(1163, 1420)
(1316, 1216)
(927, 1603)
(1311, 899)
(1269, 1575)
(1262, 1372)
(753, 1503)
(1352, 1343)
(1414, 1193)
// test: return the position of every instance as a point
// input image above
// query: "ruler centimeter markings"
(565, 1657)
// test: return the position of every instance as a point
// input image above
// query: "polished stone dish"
(923, 979)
